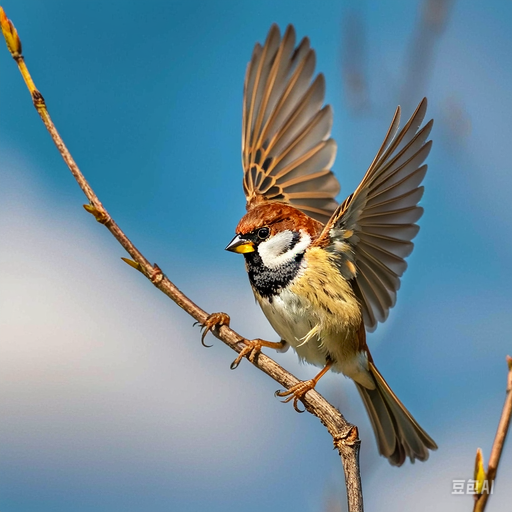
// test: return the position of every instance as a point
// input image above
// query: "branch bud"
(10, 34)
(479, 475)
(100, 215)
(132, 264)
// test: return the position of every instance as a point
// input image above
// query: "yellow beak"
(240, 246)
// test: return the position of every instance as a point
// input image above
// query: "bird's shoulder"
(324, 286)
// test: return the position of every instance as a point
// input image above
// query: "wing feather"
(378, 220)
(287, 152)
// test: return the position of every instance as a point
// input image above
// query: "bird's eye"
(263, 233)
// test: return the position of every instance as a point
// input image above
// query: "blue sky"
(108, 401)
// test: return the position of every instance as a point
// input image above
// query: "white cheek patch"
(275, 251)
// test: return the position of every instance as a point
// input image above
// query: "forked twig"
(345, 435)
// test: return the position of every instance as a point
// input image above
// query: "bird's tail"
(397, 432)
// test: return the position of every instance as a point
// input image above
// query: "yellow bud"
(480, 475)
(10, 34)
(132, 263)
(100, 215)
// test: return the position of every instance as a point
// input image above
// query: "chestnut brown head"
(266, 221)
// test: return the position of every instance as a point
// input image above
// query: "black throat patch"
(269, 282)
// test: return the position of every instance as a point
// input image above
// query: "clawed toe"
(213, 320)
(296, 393)
(251, 350)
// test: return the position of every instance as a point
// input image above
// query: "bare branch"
(497, 447)
(345, 435)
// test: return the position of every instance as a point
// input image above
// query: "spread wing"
(370, 233)
(286, 150)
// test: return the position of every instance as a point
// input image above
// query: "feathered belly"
(315, 333)
(317, 313)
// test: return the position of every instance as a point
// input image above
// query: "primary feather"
(286, 150)
(378, 221)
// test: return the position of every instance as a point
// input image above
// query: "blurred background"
(108, 401)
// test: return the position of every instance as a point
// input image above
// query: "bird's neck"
(269, 282)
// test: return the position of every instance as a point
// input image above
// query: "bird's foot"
(253, 348)
(297, 393)
(214, 320)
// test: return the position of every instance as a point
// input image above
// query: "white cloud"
(95, 365)
(101, 375)
(433, 481)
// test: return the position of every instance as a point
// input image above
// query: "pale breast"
(317, 313)
(293, 319)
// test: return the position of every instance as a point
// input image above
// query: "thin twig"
(497, 447)
(345, 436)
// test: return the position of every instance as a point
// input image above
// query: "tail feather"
(397, 432)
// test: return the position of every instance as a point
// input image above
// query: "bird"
(323, 273)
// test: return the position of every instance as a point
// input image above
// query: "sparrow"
(324, 274)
